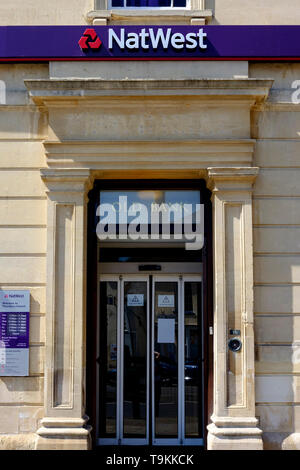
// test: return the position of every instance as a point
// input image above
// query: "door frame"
(92, 279)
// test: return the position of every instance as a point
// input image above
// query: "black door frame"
(92, 286)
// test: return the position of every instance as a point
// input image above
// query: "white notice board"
(166, 330)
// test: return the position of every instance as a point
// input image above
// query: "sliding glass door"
(150, 360)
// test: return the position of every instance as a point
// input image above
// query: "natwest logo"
(89, 40)
(144, 39)
(155, 39)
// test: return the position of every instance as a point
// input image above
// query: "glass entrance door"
(150, 360)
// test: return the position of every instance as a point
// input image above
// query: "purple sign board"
(131, 42)
(14, 332)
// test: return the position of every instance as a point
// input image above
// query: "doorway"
(150, 374)
(149, 364)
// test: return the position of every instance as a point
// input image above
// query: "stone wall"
(277, 255)
(23, 243)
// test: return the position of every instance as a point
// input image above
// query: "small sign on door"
(166, 301)
(135, 300)
(166, 330)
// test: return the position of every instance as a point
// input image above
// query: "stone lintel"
(138, 14)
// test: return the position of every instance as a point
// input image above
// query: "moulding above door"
(175, 155)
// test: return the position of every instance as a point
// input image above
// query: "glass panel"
(166, 359)
(108, 358)
(148, 3)
(179, 3)
(117, 3)
(149, 197)
(192, 328)
(148, 214)
(135, 358)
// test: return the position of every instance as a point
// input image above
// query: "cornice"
(75, 91)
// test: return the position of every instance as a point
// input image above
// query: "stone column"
(234, 425)
(64, 424)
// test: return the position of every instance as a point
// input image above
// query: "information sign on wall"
(14, 332)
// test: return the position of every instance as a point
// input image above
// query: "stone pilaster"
(64, 425)
(234, 425)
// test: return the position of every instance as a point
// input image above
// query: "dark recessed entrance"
(148, 318)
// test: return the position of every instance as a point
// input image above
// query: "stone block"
(277, 299)
(25, 390)
(279, 359)
(276, 239)
(278, 182)
(275, 417)
(22, 270)
(22, 240)
(277, 388)
(23, 212)
(18, 154)
(18, 442)
(277, 269)
(21, 184)
(277, 153)
(277, 328)
(22, 122)
(276, 210)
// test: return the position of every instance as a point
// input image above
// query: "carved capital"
(67, 180)
(231, 179)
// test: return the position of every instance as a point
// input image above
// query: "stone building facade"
(66, 125)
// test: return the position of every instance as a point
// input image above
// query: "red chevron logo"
(89, 40)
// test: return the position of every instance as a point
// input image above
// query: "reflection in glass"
(122, 200)
(149, 197)
(192, 328)
(166, 359)
(108, 358)
(135, 358)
